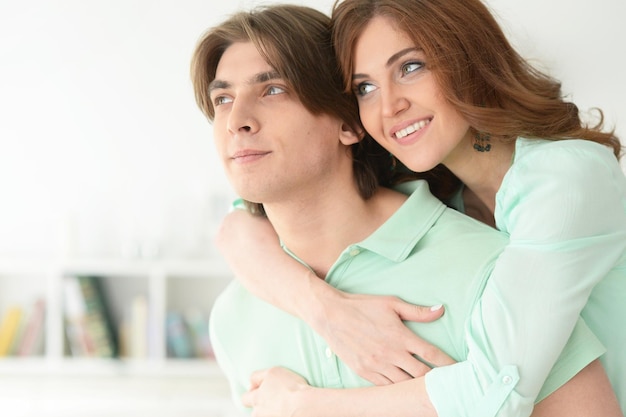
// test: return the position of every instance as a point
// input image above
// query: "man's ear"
(348, 136)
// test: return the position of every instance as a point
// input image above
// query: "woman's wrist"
(314, 309)
(310, 402)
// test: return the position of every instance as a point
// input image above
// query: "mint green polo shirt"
(426, 254)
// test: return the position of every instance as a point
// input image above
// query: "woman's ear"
(348, 136)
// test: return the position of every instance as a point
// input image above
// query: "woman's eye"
(273, 90)
(363, 89)
(411, 67)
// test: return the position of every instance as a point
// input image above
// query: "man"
(291, 146)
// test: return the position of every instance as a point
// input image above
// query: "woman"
(438, 83)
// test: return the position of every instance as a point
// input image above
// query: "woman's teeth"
(413, 128)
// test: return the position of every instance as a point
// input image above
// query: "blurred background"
(107, 169)
(104, 153)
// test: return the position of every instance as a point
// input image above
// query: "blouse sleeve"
(562, 204)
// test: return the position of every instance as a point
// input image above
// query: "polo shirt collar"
(397, 237)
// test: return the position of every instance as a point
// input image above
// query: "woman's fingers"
(429, 354)
(422, 314)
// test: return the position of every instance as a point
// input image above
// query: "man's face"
(271, 146)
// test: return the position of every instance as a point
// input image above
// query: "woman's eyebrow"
(393, 58)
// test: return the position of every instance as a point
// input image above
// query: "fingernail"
(436, 307)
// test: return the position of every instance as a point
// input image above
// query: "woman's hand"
(279, 392)
(364, 331)
(368, 334)
(274, 392)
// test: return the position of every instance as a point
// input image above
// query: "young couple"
(331, 260)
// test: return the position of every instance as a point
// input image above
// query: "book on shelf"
(22, 330)
(138, 335)
(32, 339)
(188, 334)
(139, 327)
(133, 331)
(88, 323)
(179, 344)
(10, 329)
(74, 318)
(198, 325)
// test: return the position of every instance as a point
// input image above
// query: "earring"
(481, 143)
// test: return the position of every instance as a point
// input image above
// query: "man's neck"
(319, 229)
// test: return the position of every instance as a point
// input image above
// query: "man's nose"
(242, 117)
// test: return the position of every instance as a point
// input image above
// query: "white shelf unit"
(167, 284)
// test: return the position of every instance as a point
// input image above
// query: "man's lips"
(248, 155)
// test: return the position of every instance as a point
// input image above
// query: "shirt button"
(354, 252)
(329, 353)
(506, 380)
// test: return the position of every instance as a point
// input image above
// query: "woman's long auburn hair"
(478, 71)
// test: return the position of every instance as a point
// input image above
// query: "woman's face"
(400, 103)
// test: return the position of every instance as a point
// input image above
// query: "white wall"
(103, 151)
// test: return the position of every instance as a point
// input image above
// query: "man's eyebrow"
(256, 79)
(266, 76)
(393, 58)
(217, 84)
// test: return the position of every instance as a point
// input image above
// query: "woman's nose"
(393, 101)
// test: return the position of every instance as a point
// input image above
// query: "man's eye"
(363, 89)
(219, 100)
(273, 90)
(410, 67)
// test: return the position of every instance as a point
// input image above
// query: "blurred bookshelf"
(153, 319)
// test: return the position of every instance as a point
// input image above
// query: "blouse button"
(506, 380)
(354, 252)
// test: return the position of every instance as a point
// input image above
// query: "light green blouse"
(426, 254)
(563, 205)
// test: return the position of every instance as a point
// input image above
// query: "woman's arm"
(563, 206)
(358, 328)
(251, 248)
(277, 392)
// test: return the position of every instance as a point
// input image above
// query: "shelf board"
(109, 367)
(142, 267)
(168, 267)
(25, 266)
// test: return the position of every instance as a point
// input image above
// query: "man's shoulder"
(424, 226)
(468, 242)
(466, 229)
(224, 304)
(423, 216)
